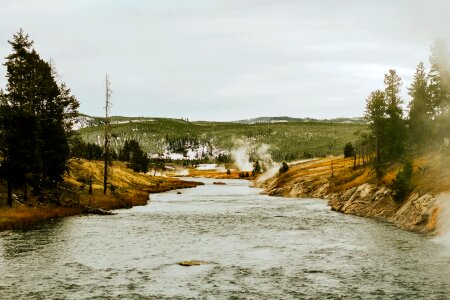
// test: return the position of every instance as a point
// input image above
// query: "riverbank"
(73, 197)
(358, 192)
(192, 172)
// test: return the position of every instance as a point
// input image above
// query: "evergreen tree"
(395, 131)
(139, 161)
(402, 183)
(439, 88)
(349, 151)
(376, 115)
(284, 168)
(89, 151)
(439, 77)
(35, 120)
(131, 152)
(420, 108)
(19, 124)
(256, 168)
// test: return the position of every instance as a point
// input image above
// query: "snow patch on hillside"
(82, 122)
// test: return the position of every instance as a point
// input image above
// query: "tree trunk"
(363, 158)
(90, 185)
(25, 192)
(10, 190)
(378, 149)
(359, 156)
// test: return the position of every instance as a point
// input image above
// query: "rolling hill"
(287, 139)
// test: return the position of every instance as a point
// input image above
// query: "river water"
(253, 246)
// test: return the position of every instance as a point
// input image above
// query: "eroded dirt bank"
(357, 192)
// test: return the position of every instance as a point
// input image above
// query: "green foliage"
(395, 134)
(223, 159)
(402, 182)
(385, 114)
(139, 161)
(421, 109)
(288, 141)
(376, 115)
(349, 151)
(132, 153)
(36, 113)
(284, 168)
(89, 151)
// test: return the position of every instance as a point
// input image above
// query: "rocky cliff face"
(416, 213)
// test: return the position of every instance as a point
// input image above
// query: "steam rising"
(241, 155)
(444, 223)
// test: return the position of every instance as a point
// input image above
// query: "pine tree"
(439, 77)
(35, 119)
(375, 113)
(439, 88)
(395, 131)
(256, 168)
(131, 152)
(349, 150)
(420, 108)
(20, 139)
(284, 168)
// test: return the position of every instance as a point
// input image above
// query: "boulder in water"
(190, 263)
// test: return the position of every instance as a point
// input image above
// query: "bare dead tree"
(107, 131)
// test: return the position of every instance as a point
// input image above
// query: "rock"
(219, 183)
(97, 211)
(190, 263)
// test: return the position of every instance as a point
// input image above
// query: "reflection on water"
(255, 246)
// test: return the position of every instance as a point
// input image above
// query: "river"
(254, 247)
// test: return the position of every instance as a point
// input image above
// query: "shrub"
(256, 168)
(402, 182)
(284, 168)
(349, 151)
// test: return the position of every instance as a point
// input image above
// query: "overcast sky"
(228, 59)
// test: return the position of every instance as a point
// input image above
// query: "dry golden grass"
(431, 173)
(131, 189)
(211, 174)
(22, 216)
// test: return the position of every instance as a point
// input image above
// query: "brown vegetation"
(23, 216)
(129, 189)
(212, 174)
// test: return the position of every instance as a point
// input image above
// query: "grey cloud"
(228, 59)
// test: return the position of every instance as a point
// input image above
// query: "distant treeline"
(131, 153)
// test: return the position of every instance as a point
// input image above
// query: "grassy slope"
(288, 140)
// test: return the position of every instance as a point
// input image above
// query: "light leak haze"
(229, 59)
